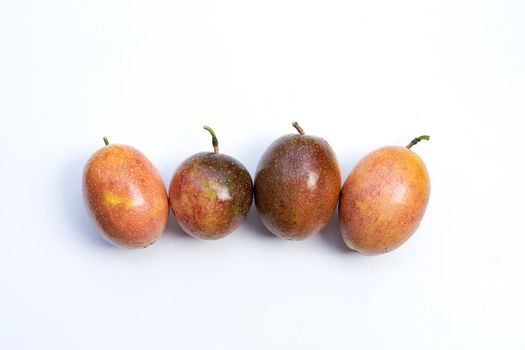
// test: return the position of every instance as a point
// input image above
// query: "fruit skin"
(125, 196)
(383, 200)
(210, 195)
(297, 186)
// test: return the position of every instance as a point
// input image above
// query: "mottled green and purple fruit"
(210, 193)
(297, 185)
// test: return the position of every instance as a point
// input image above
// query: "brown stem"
(417, 139)
(214, 140)
(299, 129)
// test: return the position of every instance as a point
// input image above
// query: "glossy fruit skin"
(383, 200)
(297, 186)
(125, 196)
(210, 195)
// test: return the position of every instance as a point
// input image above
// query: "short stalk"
(214, 140)
(299, 129)
(417, 139)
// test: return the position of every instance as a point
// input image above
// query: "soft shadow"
(331, 236)
(255, 225)
(166, 166)
(249, 157)
(173, 228)
(74, 202)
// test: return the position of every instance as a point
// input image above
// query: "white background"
(361, 74)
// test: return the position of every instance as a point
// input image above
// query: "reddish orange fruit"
(383, 199)
(125, 196)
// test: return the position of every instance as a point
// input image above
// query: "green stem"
(417, 139)
(106, 141)
(214, 140)
(299, 129)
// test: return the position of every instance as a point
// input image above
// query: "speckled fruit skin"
(125, 196)
(383, 200)
(210, 195)
(297, 186)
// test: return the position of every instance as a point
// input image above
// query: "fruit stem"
(299, 129)
(417, 139)
(214, 140)
(106, 141)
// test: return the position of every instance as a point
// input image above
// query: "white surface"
(360, 74)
